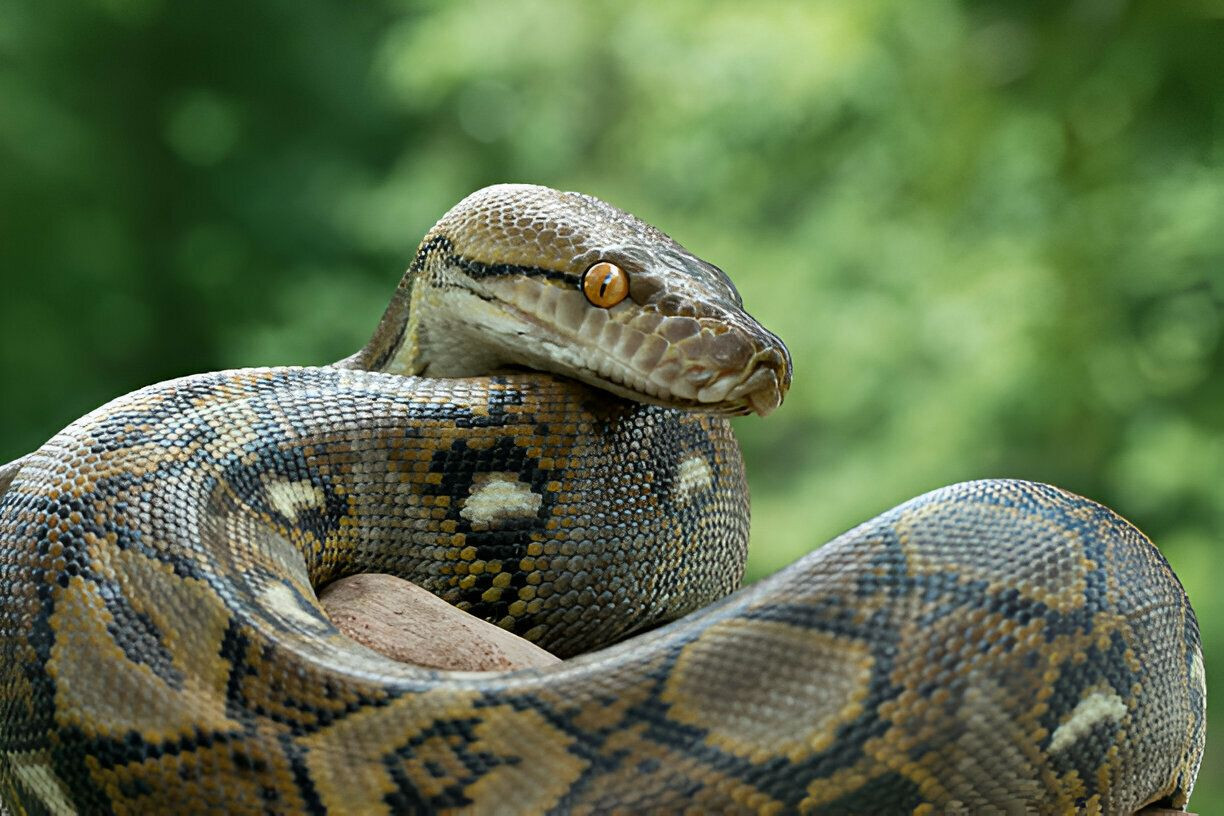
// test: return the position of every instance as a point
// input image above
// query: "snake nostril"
(779, 360)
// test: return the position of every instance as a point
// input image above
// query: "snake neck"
(421, 333)
(399, 344)
(394, 347)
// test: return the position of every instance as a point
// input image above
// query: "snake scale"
(991, 647)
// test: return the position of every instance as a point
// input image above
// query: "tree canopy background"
(991, 233)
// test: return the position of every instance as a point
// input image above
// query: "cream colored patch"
(290, 497)
(817, 683)
(499, 496)
(692, 477)
(1096, 707)
(1198, 674)
(280, 600)
(38, 777)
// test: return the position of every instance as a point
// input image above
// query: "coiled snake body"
(996, 646)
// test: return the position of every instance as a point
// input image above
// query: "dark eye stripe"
(477, 269)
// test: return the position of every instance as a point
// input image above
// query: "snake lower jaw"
(762, 391)
(758, 393)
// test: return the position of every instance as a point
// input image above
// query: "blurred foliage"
(992, 233)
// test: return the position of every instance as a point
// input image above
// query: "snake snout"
(758, 385)
(727, 365)
(764, 389)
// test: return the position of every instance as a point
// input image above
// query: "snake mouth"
(760, 390)
(710, 365)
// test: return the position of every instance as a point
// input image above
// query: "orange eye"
(605, 284)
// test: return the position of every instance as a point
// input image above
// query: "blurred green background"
(991, 233)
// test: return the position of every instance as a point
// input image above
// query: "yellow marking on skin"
(1092, 709)
(147, 786)
(347, 760)
(135, 698)
(716, 684)
(38, 777)
(291, 497)
(499, 497)
(693, 476)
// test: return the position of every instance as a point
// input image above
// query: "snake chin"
(757, 393)
(757, 389)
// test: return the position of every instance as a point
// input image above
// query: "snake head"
(505, 279)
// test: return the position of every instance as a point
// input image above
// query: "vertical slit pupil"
(607, 281)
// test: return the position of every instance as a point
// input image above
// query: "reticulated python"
(990, 647)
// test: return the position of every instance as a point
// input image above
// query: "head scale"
(499, 281)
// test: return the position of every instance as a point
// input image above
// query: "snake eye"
(605, 284)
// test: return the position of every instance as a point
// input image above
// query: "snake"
(538, 431)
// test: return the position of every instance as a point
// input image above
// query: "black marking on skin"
(478, 270)
(129, 536)
(136, 634)
(295, 755)
(458, 735)
(890, 793)
(827, 614)
(501, 396)
(685, 439)
(168, 408)
(776, 776)
(1088, 754)
(39, 717)
(507, 541)
(135, 788)
(948, 592)
(259, 580)
(269, 459)
(114, 752)
(587, 744)
(108, 753)
(235, 647)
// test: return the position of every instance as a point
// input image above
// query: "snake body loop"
(991, 647)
